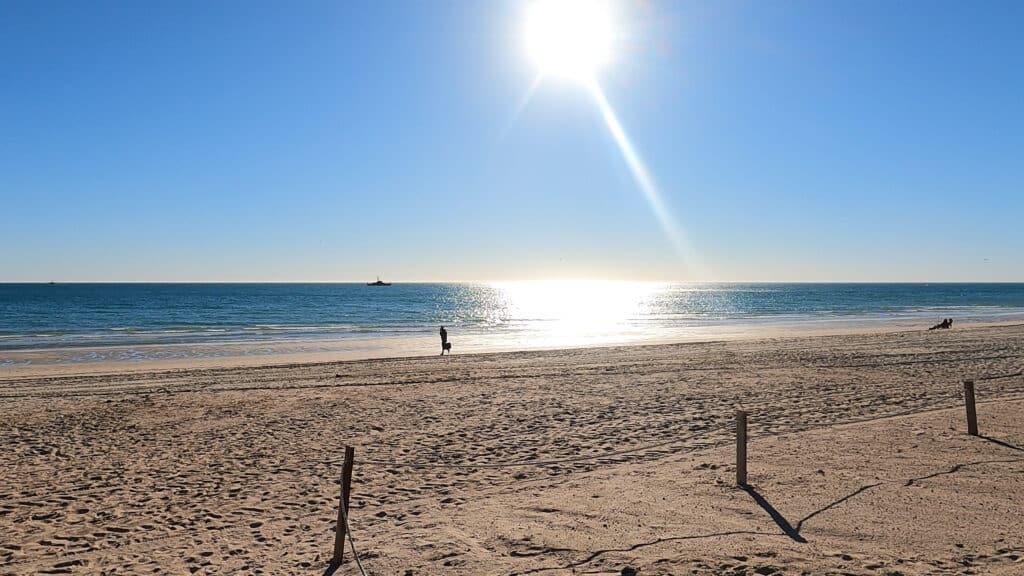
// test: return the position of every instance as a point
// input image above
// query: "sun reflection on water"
(574, 312)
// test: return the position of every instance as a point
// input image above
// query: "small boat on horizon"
(378, 283)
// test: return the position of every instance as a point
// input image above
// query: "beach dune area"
(583, 461)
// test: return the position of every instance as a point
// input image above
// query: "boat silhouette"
(378, 283)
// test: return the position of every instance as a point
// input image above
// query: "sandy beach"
(536, 287)
(621, 460)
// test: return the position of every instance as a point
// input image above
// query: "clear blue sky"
(248, 141)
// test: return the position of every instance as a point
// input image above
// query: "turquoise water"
(511, 315)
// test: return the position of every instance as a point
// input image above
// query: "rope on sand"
(552, 462)
(940, 403)
(351, 542)
(999, 376)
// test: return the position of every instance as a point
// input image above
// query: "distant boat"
(378, 283)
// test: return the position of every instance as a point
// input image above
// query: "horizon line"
(393, 282)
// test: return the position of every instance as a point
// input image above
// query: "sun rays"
(642, 178)
(574, 39)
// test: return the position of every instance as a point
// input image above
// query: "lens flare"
(643, 179)
(573, 39)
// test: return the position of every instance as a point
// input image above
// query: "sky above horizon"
(339, 141)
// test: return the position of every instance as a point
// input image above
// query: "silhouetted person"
(444, 341)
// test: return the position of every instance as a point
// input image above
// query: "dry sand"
(859, 463)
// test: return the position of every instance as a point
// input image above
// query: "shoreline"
(88, 360)
(82, 329)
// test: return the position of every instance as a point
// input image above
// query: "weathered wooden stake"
(741, 448)
(346, 491)
(972, 414)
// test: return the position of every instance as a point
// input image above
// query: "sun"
(569, 38)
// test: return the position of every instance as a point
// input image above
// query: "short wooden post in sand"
(741, 448)
(972, 413)
(346, 491)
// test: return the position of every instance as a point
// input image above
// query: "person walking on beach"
(444, 341)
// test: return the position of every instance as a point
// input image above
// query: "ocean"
(479, 317)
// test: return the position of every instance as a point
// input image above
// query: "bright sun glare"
(574, 39)
(569, 38)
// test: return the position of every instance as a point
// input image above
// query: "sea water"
(478, 316)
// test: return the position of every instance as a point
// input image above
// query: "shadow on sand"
(793, 532)
(1001, 443)
(787, 528)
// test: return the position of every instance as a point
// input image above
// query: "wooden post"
(741, 448)
(346, 491)
(972, 414)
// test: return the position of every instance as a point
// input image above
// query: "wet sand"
(859, 464)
